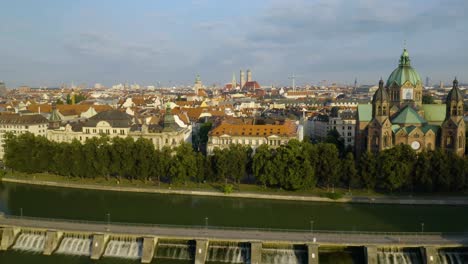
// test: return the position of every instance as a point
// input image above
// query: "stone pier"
(312, 254)
(371, 254)
(201, 251)
(8, 237)
(99, 245)
(430, 255)
(148, 248)
(256, 252)
(52, 241)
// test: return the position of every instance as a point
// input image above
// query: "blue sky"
(50, 42)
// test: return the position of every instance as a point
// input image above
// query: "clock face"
(415, 145)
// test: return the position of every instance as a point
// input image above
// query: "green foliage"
(228, 188)
(427, 99)
(294, 166)
(333, 195)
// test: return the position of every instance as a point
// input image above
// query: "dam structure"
(205, 244)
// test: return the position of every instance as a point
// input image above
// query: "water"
(453, 257)
(284, 256)
(341, 255)
(396, 256)
(33, 242)
(123, 248)
(75, 245)
(175, 251)
(94, 205)
(229, 253)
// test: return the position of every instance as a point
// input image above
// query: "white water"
(283, 256)
(453, 257)
(228, 254)
(175, 251)
(80, 246)
(30, 242)
(398, 257)
(130, 249)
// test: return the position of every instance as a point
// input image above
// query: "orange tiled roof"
(286, 129)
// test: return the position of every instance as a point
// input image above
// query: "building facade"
(20, 124)
(398, 116)
(253, 135)
(114, 123)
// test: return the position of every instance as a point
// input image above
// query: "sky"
(50, 42)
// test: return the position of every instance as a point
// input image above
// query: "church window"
(379, 110)
(384, 110)
(449, 141)
(454, 111)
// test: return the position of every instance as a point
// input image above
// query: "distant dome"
(404, 72)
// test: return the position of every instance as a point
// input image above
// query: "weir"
(146, 244)
(51, 241)
(149, 246)
(256, 252)
(201, 251)
(312, 254)
(371, 254)
(98, 245)
(8, 237)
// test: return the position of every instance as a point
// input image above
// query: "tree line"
(296, 165)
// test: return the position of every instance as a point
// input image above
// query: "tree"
(327, 164)
(334, 137)
(427, 99)
(263, 166)
(349, 172)
(368, 170)
(422, 172)
(183, 164)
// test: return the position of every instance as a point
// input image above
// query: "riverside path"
(242, 234)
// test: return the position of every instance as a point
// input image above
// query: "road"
(212, 233)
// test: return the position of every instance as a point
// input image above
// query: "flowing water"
(75, 245)
(284, 256)
(176, 251)
(453, 257)
(123, 248)
(33, 242)
(396, 256)
(229, 253)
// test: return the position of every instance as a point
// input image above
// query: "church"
(398, 116)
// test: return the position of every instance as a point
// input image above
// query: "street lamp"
(206, 222)
(108, 221)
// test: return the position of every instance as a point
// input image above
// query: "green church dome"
(404, 72)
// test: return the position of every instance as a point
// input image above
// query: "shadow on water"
(51, 202)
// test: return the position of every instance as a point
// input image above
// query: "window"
(349, 134)
(122, 132)
(350, 127)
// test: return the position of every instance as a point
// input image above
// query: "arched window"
(454, 110)
(379, 110)
(449, 141)
(384, 110)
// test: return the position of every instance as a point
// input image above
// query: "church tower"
(233, 81)
(379, 136)
(453, 128)
(242, 79)
(198, 84)
(404, 86)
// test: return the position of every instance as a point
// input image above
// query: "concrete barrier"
(201, 251)
(312, 254)
(52, 241)
(256, 252)
(148, 248)
(9, 235)
(99, 245)
(371, 254)
(430, 255)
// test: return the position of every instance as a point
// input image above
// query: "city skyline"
(147, 42)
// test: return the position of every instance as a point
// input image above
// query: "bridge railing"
(231, 228)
